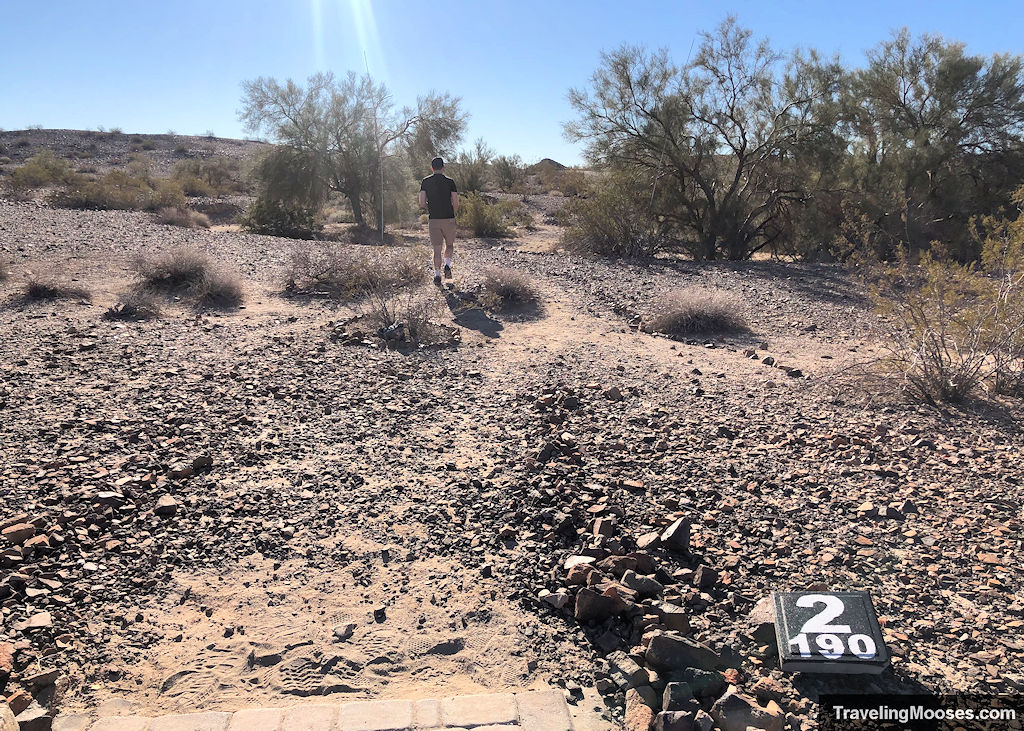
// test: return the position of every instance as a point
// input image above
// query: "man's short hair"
(437, 164)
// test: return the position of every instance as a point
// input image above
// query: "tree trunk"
(357, 207)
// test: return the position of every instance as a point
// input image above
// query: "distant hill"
(545, 166)
(105, 150)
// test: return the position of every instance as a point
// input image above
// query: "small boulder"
(594, 607)
(626, 672)
(643, 586)
(166, 506)
(677, 536)
(675, 720)
(670, 651)
(735, 711)
(640, 705)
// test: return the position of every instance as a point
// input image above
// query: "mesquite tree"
(335, 134)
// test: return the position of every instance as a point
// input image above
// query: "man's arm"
(455, 201)
(423, 199)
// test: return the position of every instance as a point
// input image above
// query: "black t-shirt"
(439, 188)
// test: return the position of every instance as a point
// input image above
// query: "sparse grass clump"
(43, 168)
(346, 273)
(183, 217)
(189, 273)
(507, 289)
(134, 305)
(48, 287)
(695, 311)
(404, 315)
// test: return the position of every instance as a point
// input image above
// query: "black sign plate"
(829, 632)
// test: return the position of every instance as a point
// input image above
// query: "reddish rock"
(737, 712)
(640, 705)
(594, 607)
(580, 574)
(6, 660)
(19, 700)
(18, 533)
(617, 565)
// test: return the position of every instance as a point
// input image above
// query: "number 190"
(831, 646)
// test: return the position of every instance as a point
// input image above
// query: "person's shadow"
(466, 314)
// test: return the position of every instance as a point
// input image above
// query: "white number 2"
(819, 623)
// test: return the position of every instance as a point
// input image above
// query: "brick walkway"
(542, 710)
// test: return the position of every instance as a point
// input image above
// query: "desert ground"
(235, 508)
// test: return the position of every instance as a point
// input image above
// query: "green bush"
(274, 218)
(612, 220)
(120, 190)
(515, 213)
(481, 217)
(509, 172)
(217, 175)
(43, 168)
(955, 328)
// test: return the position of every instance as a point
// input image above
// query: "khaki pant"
(442, 231)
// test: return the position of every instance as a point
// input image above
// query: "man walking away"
(440, 197)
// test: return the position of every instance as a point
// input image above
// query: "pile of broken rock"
(634, 610)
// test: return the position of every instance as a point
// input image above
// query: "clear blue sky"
(154, 66)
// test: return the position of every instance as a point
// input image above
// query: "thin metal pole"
(380, 158)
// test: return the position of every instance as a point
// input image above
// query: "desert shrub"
(612, 220)
(481, 217)
(567, 181)
(165, 194)
(48, 286)
(134, 305)
(505, 289)
(508, 171)
(956, 327)
(120, 190)
(219, 289)
(469, 169)
(347, 273)
(274, 218)
(693, 311)
(404, 314)
(515, 213)
(217, 175)
(937, 342)
(43, 168)
(182, 217)
(190, 273)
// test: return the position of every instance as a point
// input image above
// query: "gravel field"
(215, 510)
